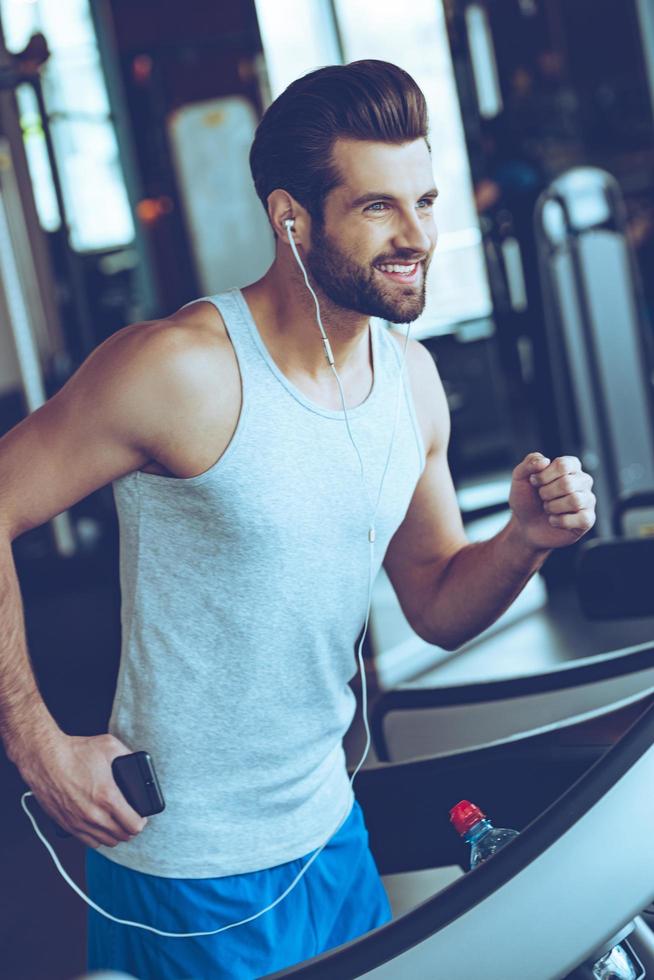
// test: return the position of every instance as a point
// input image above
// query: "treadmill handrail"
(616, 663)
(587, 669)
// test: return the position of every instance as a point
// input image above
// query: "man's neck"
(285, 314)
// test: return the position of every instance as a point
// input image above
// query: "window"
(82, 131)
(298, 36)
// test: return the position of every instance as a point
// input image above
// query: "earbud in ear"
(289, 224)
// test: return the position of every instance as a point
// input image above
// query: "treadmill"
(552, 901)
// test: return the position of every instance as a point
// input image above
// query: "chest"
(194, 443)
(291, 490)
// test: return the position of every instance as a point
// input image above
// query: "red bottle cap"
(465, 815)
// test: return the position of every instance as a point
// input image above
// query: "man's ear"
(283, 208)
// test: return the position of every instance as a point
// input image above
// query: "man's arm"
(24, 718)
(102, 424)
(449, 588)
(62, 452)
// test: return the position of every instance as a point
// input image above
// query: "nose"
(415, 233)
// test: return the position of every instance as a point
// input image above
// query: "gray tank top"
(244, 590)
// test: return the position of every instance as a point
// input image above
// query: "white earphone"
(288, 224)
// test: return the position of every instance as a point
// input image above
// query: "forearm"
(478, 584)
(24, 717)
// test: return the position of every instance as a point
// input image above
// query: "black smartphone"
(137, 780)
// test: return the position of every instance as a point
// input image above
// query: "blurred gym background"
(125, 127)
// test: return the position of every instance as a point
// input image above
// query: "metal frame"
(601, 355)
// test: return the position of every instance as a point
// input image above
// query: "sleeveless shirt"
(243, 593)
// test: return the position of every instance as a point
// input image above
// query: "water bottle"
(485, 840)
(476, 830)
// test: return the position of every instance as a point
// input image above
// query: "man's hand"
(552, 502)
(72, 779)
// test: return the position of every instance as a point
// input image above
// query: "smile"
(400, 271)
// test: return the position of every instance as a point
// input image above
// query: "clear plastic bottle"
(476, 830)
(485, 840)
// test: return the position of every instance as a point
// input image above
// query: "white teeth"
(406, 269)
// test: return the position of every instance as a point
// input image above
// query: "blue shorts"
(340, 897)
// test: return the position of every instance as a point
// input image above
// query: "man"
(245, 519)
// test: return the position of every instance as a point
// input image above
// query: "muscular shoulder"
(159, 390)
(428, 394)
(166, 374)
(176, 350)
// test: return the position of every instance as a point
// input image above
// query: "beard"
(360, 288)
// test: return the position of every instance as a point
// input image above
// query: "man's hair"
(365, 100)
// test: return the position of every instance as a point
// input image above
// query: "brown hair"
(365, 100)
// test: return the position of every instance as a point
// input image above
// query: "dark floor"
(74, 639)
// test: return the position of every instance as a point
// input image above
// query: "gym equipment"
(600, 345)
(227, 227)
(21, 298)
(504, 743)
(411, 722)
(614, 575)
(615, 578)
(537, 910)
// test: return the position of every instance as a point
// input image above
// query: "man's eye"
(376, 206)
(427, 202)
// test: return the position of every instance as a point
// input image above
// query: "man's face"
(372, 252)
